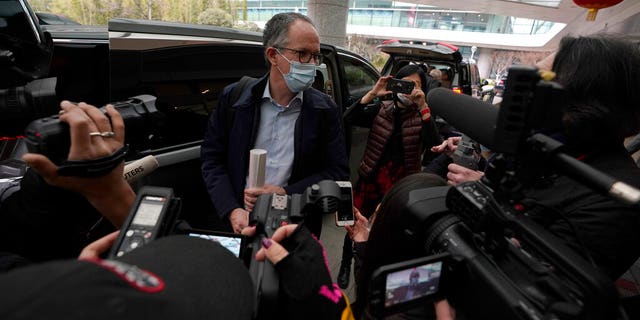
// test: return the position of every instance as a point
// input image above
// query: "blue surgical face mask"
(300, 76)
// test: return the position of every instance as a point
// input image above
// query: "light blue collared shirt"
(276, 132)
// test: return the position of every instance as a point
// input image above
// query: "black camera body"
(466, 154)
(503, 264)
(496, 263)
(272, 211)
(50, 137)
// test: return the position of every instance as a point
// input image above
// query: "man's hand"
(251, 194)
(448, 146)
(458, 174)
(98, 247)
(239, 219)
(359, 232)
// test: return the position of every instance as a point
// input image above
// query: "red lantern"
(594, 5)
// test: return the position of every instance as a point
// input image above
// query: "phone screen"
(345, 207)
(412, 283)
(232, 243)
(149, 211)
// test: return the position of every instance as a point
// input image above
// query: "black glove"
(306, 288)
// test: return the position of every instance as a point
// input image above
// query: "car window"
(359, 79)
(15, 24)
(187, 82)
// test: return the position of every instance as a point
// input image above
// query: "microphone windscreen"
(468, 115)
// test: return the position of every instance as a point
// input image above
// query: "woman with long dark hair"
(401, 129)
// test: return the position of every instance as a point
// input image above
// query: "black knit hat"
(175, 277)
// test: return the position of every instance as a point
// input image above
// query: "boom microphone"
(472, 117)
(140, 168)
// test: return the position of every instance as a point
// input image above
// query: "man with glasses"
(300, 127)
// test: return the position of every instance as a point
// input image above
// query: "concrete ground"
(332, 238)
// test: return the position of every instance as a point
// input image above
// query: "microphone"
(472, 117)
(139, 168)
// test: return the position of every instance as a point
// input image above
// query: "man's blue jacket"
(320, 151)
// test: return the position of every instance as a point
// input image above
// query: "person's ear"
(272, 56)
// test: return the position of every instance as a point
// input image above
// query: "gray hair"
(436, 74)
(276, 30)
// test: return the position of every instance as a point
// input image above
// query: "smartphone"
(344, 215)
(402, 286)
(236, 243)
(400, 86)
(151, 216)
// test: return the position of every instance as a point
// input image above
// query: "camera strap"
(93, 168)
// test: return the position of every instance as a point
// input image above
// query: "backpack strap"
(234, 95)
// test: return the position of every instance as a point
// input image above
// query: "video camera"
(156, 211)
(494, 261)
(273, 211)
(49, 136)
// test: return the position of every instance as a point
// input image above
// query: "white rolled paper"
(257, 167)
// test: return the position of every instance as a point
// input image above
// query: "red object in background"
(595, 5)
(448, 45)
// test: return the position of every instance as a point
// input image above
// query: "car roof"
(432, 51)
(185, 29)
(48, 18)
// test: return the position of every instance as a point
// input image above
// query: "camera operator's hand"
(444, 311)
(98, 247)
(110, 194)
(304, 275)
(239, 219)
(458, 174)
(448, 146)
(359, 232)
(271, 249)
(379, 90)
(251, 194)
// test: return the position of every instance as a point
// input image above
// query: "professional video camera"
(495, 262)
(156, 210)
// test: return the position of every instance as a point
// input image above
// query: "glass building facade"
(406, 15)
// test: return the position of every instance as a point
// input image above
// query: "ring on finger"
(104, 134)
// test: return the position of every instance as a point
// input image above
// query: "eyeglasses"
(304, 56)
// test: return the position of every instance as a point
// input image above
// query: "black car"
(184, 66)
(462, 76)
